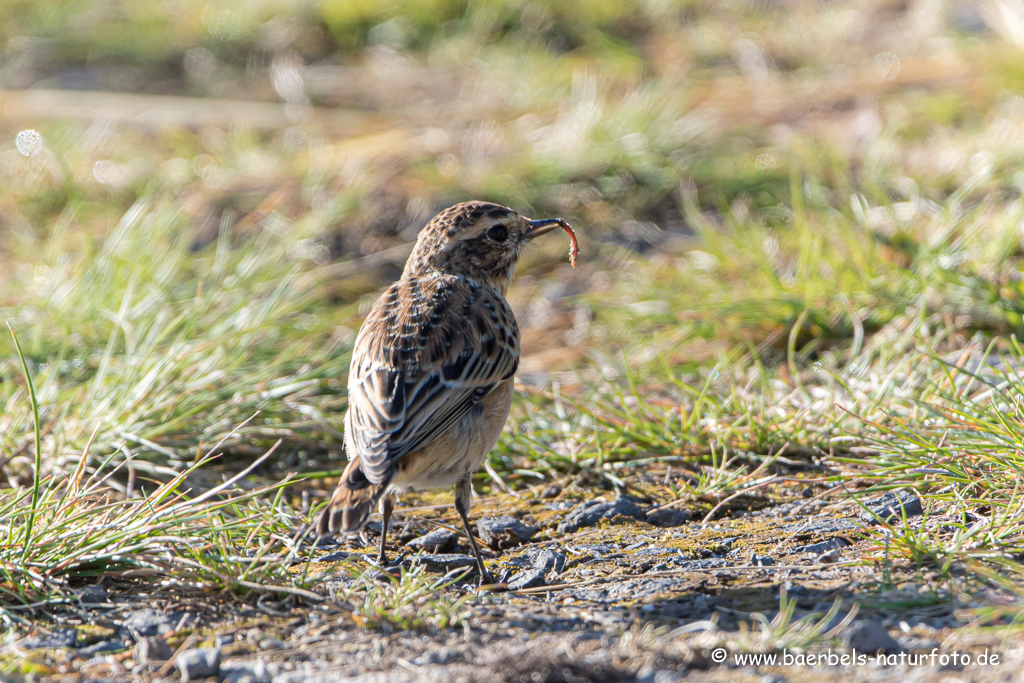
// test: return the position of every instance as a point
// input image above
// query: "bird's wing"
(429, 351)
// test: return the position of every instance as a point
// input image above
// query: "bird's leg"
(387, 506)
(463, 491)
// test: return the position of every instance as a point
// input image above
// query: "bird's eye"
(498, 233)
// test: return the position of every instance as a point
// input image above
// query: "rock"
(548, 560)
(531, 578)
(336, 556)
(870, 637)
(61, 637)
(150, 622)
(823, 547)
(702, 564)
(891, 507)
(635, 589)
(504, 531)
(444, 562)
(820, 527)
(198, 663)
(655, 589)
(648, 675)
(244, 671)
(668, 517)
(829, 557)
(272, 644)
(591, 512)
(595, 550)
(551, 491)
(437, 541)
(761, 560)
(442, 656)
(540, 558)
(152, 649)
(722, 546)
(92, 594)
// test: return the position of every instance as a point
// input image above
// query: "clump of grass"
(65, 529)
(414, 600)
(964, 456)
(226, 538)
(739, 413)
(38, 468)
(782, 632)
(158, 351)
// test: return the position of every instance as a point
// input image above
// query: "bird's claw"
(385, 565)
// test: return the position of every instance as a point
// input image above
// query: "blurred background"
(199, 200)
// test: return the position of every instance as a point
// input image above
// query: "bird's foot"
(486, 579)
(385, 565)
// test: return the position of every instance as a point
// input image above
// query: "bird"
(432, 368)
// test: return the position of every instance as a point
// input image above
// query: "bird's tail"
(352, 502)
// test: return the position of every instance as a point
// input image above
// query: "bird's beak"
(542, 226)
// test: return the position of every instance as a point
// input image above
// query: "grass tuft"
(414, 600)
(226, 538)
(37, 469)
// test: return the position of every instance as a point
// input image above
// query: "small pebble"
(438, 540)
(552, 491)
(591, 512)
(92, 594)
(822, 547)
(444, 562)
(829, 557)
(531, 578)
(891, 507)
(272, 644)
(244, 671)
(150, 622)
(152, 649)
(198, 663)
(548, 560)
(61, 637)
(870, 637)
(668, 517)
(336, 556)
(504, 531)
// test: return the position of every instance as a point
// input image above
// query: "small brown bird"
(430, 384)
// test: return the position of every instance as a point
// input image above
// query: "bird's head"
(478, 240)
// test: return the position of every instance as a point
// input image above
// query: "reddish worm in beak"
(546, 225)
